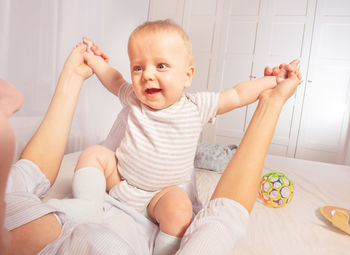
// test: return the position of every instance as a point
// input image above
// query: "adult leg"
(34, 236)
(213, 229)
(31, 223)
(172, 209)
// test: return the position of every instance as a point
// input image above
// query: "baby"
(155, 158)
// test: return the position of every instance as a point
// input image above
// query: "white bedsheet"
(298, 228)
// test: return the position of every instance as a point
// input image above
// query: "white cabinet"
(255, 34)
(324, 128)
(234, 40)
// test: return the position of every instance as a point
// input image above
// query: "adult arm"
(47, 146)
(46, 150)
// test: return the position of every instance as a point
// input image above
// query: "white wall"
(37, 36)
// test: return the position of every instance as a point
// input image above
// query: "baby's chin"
(157, 102)
(156, 106)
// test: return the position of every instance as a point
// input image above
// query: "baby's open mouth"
(152, 91)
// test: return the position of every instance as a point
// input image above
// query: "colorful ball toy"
(276, 189)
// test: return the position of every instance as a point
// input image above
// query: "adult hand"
(281, 72)
(75, 62)
(284, 89)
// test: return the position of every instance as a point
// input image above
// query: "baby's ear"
(189, 75)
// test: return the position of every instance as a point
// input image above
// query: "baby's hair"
(169, 26)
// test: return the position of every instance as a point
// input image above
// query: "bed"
(298, 228)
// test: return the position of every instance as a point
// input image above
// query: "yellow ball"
(276, 189)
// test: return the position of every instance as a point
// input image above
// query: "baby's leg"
(172, 209)
(96, 170)
(103, 159)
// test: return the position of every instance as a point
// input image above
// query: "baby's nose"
(148, 74)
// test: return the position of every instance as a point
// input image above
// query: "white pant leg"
(215, 229)
(89, 239)
(131, 225)
(25, 176)
(25, 187)
(124, 231)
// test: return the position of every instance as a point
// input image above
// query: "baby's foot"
(82, 211)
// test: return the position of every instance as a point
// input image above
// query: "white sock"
(89, 183)
(89, 188)
(166, 244)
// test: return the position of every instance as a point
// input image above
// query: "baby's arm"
(96, 59)
(248, 92)
(244, 93)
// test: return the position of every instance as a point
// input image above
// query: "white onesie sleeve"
(126, 94)
(207, 104)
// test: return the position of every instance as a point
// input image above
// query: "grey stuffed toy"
(213, 157)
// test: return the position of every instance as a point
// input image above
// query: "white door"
(325, 120)
(285, 35)
(261, 33)
(240, 28)
(200, 21)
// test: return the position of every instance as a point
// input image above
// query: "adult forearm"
(241, 177)
(47, 146)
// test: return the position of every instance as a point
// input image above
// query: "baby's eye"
(137, 68)
(162, 66)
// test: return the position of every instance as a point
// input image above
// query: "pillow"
(212, 156)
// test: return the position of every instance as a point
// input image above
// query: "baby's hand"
(284, 71)
(94, 49)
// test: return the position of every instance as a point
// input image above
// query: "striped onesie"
(159, 145)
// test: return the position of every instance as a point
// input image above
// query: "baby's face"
(160, 68)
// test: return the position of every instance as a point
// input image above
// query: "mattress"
(297, 228)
